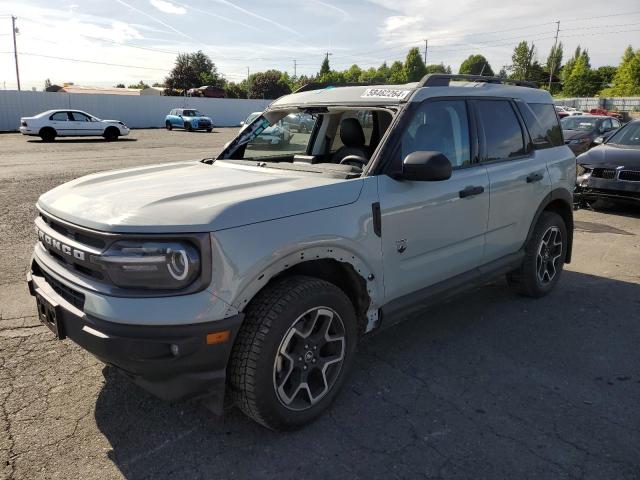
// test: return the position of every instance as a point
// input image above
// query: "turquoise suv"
(188, 119)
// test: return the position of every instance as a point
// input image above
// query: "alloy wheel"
(309, 358)
(549, 254)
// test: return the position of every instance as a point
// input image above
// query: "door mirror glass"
(426, 166)
(599, 140)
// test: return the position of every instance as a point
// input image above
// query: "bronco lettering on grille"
(59, 246)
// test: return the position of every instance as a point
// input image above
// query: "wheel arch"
(335, 265)
(47, 128)
(559, 201)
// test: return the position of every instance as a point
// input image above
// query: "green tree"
(140, 85)
(579, 83)
(414, 66)
(193, 70)
(383, 73)
(626, 81)
(605, 75)
(476, 65)
(436, 68)
(554, 67)
(352, 75)
(397, 74)
(120, 85)
(235, 90)
(325, 68)
(268, 85)
(568, 67)
(521, 61)
(371, 76)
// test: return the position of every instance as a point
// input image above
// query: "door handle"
(471, 191)
(534, 177)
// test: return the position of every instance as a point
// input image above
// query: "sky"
(139, 39)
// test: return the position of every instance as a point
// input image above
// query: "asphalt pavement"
(488, 385)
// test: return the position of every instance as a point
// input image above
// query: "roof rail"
(443, 79)
(320, 85)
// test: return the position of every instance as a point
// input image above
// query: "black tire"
(255, 359)
(188, 127)
(209, 130)
(48, 134)
(111, 134)
(168, 125)
(533, 278)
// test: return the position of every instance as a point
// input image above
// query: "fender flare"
(565, 196)
(372, 281)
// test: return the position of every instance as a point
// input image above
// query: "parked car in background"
(582, 131)
(71, 123)
(568, 111)
(189, 119)
(602, 111)
(277, 134)
(611, 170)
(299, 122)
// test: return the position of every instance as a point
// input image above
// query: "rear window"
(542, 123)
(502, 132)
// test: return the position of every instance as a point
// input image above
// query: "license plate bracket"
(50, 314)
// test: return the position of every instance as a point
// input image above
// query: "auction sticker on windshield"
(385, 93)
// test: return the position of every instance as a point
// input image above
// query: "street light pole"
(14, 30)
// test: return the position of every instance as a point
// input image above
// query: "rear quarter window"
(542, 123)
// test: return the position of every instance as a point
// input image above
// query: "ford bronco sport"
(253, 275)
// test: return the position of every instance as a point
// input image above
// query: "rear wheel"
(168, 125)
(209, 130)
(48, 134)
(293, 352)
(544, 258)
(111, 134)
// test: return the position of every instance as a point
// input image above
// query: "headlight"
(150, 265)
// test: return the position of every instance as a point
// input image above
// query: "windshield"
(280, 139)
(191, 113)
(627, 136)
(252, 117)
(579, 123)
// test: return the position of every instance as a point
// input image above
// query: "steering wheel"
(354, 161)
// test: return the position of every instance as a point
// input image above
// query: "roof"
(388, 95)
(100, 90)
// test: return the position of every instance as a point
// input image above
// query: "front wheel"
(293, 352)
(111, 134)
(168, 125)
(544, 258)
(188, 127)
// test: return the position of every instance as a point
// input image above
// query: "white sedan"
(71, 123)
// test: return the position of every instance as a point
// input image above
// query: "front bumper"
(173, 362)
(608, 188)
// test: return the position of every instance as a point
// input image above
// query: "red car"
(602, 111)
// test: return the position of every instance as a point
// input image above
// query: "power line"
(78, 60)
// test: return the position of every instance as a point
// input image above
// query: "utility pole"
(426, 47)
(555, 53)
(295, 70)
(14, 30)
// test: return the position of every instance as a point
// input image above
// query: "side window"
(80, 117)
(543, 125)
(616, 123)
(59, 117)
(502, 133)
(606, 125)
(440, 126)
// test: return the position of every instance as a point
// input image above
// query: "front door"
(432, 231)
(83, 125)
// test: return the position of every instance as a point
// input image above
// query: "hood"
(111, 121)
(192, 197)
(199, 117)
(610, 156)
(576, 134)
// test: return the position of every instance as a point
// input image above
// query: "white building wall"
(145, 111)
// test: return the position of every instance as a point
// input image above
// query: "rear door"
(518, 175)
(432, 231)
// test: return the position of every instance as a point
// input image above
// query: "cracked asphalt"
(488, 385)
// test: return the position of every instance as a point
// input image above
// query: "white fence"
(622, 104)
(136, 112)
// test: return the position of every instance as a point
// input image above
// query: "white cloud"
(168, 7)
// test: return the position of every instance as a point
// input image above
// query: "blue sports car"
(188, 119)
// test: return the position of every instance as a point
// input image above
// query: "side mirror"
(242, 123)
(598, 140)
(426, 166)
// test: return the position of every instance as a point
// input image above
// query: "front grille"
(72, 296)
(606, 173)
(630, 175)
(76, 234)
